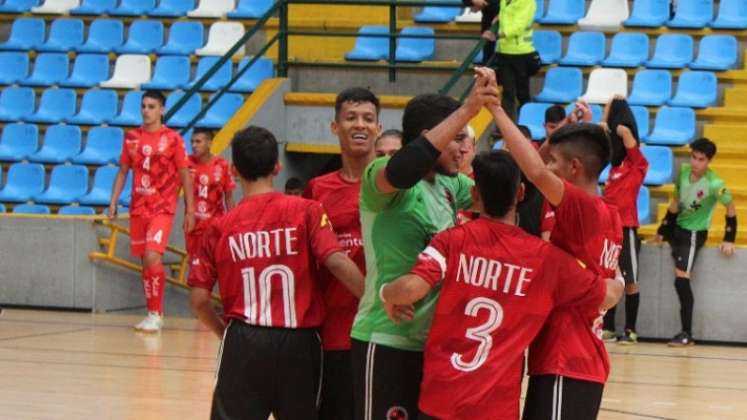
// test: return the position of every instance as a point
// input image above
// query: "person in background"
(554, 118)
(388, 143)
(489, 9)
(471, 145)
(294, 186)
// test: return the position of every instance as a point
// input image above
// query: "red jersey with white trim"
(498, 286)
(548, 217)
(624, 184)
(570, 344)
(155, 159)
(211, 182)
(263, 253)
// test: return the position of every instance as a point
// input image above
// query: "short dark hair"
(497, 177)
(202, 130)
(554, 114)
(424, 112)
(293, 183)
(254, 151)
(155, 94)
(356, 95)
(704, 146)
(525, 131)
(392, 132)
(589, 143)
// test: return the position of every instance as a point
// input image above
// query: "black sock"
(631, 310)
(685, 293)
(609, 319)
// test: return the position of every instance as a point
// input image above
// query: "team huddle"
(400, 288)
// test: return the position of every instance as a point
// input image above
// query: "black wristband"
(730, 233)
(411, 163)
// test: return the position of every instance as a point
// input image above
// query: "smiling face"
(452, 157)
(357, 127)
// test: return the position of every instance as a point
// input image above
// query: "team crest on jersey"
(325, 220)
(145, 181)
(202, 207)
(147, 150)
(204, 179)
(397, 413)
(700, 194)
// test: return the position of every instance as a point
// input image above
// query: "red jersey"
(570, 344)
(499, 284)
(211, 182)
(624, 183)
(340, 199)
(155, 159)
(548, 217)
(262, 254)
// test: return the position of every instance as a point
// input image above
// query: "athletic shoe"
(151, 323)
(681, 340)
(609, 336)
(629, 338)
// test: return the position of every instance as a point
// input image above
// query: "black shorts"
(685, 247)
(337, 386)
(629, 255)
(386, 382)
(551, 397)
(267, 370)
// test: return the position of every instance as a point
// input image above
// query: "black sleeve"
(411, 163)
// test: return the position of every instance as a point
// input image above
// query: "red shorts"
(192, 241)
(150, 233)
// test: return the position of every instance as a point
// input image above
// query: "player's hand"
(489, 35)
(622, 130)
(658, 240)
(111, 212)
(583, 112)
(478, 5)
(399, 313)
(189, 222)
(727, 248)
(484, 92)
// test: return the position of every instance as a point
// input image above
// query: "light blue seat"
(648, 13)
(24, 180)
(716, 52)
(435, 14)
(171, 72)
(260, 71)
(61, 143)
(126, 196)
(96, 107)
(55, 106)
(629, 49)
(732, 14)
(66, 184)
(18, 141)
(16, 103)
(130, 114)
(104, 35)
(369, 48)
(532, 115)
(696, 89)
(250, 9)
(172, 8)
(2, 208)
(144, 37)
(540, 10)
(14, 66)
(76, 211)
(64, 35)
(88, 71)
(132, 7)
(101, 191)
(660, 165)
(640, 113)
(223, 109)
(548, 45)
(49, 69)
(104, 145)
(93, 7)
(672, 51)
(219, 79)
(187, 137)
(693, 14)
(584, 49)
(25, 33)
(188, 111)
(31, 209)
(562, 85)
(18, 6)
(416, 49)
(563, 12)
(643, 204)
(184, 39)
(651, 88)
(596, 111)
(674, 126)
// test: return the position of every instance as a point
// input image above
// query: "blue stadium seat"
(696, 89)
(693, 14)
(548, 45)
(16, 103)
(596, 111)
(14, 66)
(562, 84)
(2, 208)
(93, 7)
(184, 39)
(660, 165)
(64, 35)
(31, 209)
(629, 49)
(103, 36)
(643, 204)
(171, 72)
(172, 8)
(250, 9)
(540, 10)
(250, 80)
(674, 126)
(732, 14)
(49, 69)
(672, 51)
(532, 115)
(716, 52)
(24, 180)
(88, 71)
(61, 143)
(18, 6)
(25, 33)
(144, 37)
(132, 7)
(101, 191)
(66, 184)
(96, 107)
(223, 109)
(584, 49)
(563, 12)
(648, 13)
(640, 113)
(126, 196)
(188, 111)
(435, 14)
(416, 49)
(76, 211)
(104, 145)
(188, 141)
(18, 141)
(219, 79)
(370, 48)
(55, 106)
(129, 115)
(651, 88)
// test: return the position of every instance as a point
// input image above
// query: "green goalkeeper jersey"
(698, 199)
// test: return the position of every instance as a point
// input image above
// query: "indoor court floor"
(62, 365)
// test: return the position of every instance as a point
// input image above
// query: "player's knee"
(151, 258)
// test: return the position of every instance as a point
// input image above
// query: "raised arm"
(346, 272)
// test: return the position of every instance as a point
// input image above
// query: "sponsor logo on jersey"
(397, 413)
(204, 179)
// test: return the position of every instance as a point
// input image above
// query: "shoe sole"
(627, 343)
(680, 345)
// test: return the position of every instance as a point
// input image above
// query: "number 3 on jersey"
(481, 333)
(259, 312)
